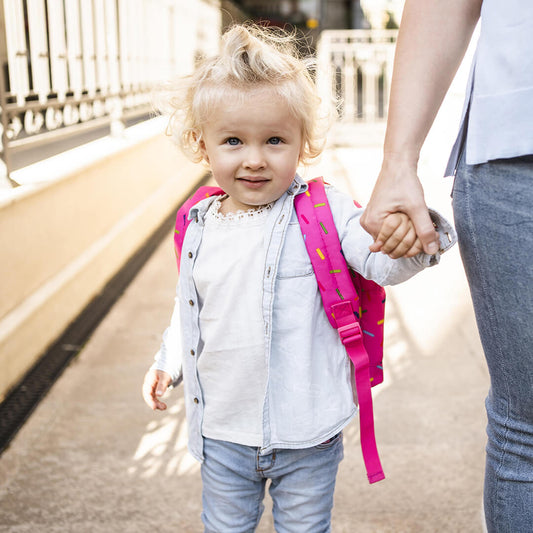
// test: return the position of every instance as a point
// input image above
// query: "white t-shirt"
(228, 274)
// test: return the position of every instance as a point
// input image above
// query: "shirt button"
(190, 255)
(196, 400)
(193, 352)
(191, 302)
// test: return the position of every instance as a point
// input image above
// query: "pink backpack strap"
(182, 216)
(341, 303)
(371, 315)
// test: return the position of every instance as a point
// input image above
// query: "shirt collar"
(298, 186)
(198, 211)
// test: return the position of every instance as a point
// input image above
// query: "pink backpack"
(354, 305)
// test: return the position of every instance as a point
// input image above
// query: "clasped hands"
(397, 216)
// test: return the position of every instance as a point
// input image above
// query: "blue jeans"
(493, 206)
(302, 485)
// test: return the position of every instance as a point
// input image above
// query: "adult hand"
(398, 189)
(155, 385)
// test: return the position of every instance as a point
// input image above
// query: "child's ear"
(201, 146)
(203, 151)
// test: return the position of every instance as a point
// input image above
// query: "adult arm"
(381, 268)
(433, 38)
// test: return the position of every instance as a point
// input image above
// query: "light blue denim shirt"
(497, 118)
(309, 395)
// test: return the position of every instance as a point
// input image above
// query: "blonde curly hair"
(251, 57)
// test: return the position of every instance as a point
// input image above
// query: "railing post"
(370, 88)
(350, 85)
(5, 162)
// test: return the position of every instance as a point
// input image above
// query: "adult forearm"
(432, 40)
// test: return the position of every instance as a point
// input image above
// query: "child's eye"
(232, 141)
(274, 140)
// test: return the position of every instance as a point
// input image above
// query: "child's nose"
(254, 159)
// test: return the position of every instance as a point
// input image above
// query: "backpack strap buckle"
(350, 333)
(347, 324)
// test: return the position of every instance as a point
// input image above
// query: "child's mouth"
(253, 183)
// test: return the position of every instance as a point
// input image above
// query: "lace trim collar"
(240, 217)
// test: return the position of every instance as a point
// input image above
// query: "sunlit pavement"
(93, 458)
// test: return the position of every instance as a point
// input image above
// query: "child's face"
(253, 146)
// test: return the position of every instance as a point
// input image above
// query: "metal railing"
(355, 67)
(71, 66)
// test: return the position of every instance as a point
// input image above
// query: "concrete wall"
(63, 239)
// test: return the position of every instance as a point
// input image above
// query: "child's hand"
(155, 384)
(397, 237)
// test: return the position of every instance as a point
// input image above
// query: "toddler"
(267, 382)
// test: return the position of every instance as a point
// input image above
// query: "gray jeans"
(493, 207)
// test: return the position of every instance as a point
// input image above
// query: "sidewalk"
(93, 458)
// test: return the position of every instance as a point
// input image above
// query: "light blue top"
(309, 394)
(499, 96)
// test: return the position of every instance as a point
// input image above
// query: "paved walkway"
(93, 458)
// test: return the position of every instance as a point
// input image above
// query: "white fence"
(71, 65)
(355, 67)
